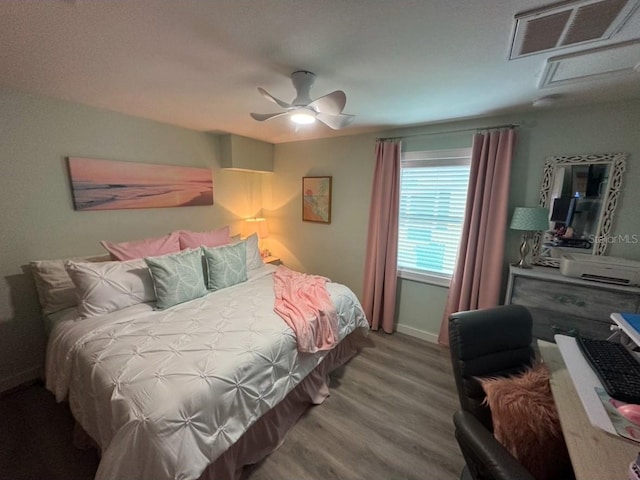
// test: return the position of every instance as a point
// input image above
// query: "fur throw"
(525, 422)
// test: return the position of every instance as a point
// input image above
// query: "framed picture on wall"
(316, 199)
(114, 185)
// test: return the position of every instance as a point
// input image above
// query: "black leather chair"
(484, 343)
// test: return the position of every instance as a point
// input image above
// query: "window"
(433, 193)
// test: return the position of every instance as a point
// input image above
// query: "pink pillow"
(215, 238)
(525, 422)
(149, 247)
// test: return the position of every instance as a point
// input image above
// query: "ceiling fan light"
(303, 117)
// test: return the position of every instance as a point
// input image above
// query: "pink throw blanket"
(304, 304)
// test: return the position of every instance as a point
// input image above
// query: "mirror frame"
(617, 164)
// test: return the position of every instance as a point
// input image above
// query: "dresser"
(560, 304)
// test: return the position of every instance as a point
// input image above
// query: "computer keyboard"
(616, 367)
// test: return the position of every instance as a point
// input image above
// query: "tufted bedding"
(165, 393)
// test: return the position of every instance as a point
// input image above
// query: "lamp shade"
(530, 219)
(256, 225)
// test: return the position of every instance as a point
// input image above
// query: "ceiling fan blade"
(335, 121)
(332, 104)
(261, 117)
(273, 99)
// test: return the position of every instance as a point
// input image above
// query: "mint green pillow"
(177, 277)
(226, 265)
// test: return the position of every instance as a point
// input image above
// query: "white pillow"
(105, 287)
(56, 290)
(254, 259)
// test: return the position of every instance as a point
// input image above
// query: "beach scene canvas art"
(316, 199)
(114, 185)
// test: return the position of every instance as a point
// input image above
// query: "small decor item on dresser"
(528, 220)
(114, 185)
(316, 199)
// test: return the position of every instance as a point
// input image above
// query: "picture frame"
(316, 199)
(98, 184)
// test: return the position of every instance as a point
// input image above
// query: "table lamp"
(528, 220)
(257, 225)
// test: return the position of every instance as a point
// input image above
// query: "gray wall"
(337, 250)
(38, 220)
(37, 217)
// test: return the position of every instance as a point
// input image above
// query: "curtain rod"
(477, 129)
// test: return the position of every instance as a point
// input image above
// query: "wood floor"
(388, 417)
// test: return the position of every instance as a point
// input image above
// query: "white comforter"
(164, 393)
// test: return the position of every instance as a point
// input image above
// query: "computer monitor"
(563, 210)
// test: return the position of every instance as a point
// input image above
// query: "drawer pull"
(570, 299)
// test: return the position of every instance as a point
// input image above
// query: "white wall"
(37, 219)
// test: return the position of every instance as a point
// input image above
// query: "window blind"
(433, 192)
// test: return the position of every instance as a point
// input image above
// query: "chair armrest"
(486, 458)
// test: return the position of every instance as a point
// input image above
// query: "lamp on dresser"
(528, 220)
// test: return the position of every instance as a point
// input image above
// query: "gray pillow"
(254, 259)
(226, 265)
(177, 277)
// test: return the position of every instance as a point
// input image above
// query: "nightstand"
(272, 260)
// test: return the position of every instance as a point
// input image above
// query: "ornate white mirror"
(581, 193)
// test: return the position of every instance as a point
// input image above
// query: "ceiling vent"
(568, 24)
(593, 64)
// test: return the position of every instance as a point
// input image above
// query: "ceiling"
(198, 63)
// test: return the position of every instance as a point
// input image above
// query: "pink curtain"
(477, 277)
(380, 270)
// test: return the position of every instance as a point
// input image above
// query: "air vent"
(567, 24)
(593, 64)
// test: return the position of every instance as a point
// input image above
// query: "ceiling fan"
(302, 110)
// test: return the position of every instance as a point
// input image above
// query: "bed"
(197, 390)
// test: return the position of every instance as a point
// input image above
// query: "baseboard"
(416, 332)
(26, 376)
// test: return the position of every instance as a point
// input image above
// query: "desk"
(595, 454)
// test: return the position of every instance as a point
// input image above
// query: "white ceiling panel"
(198, 63)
